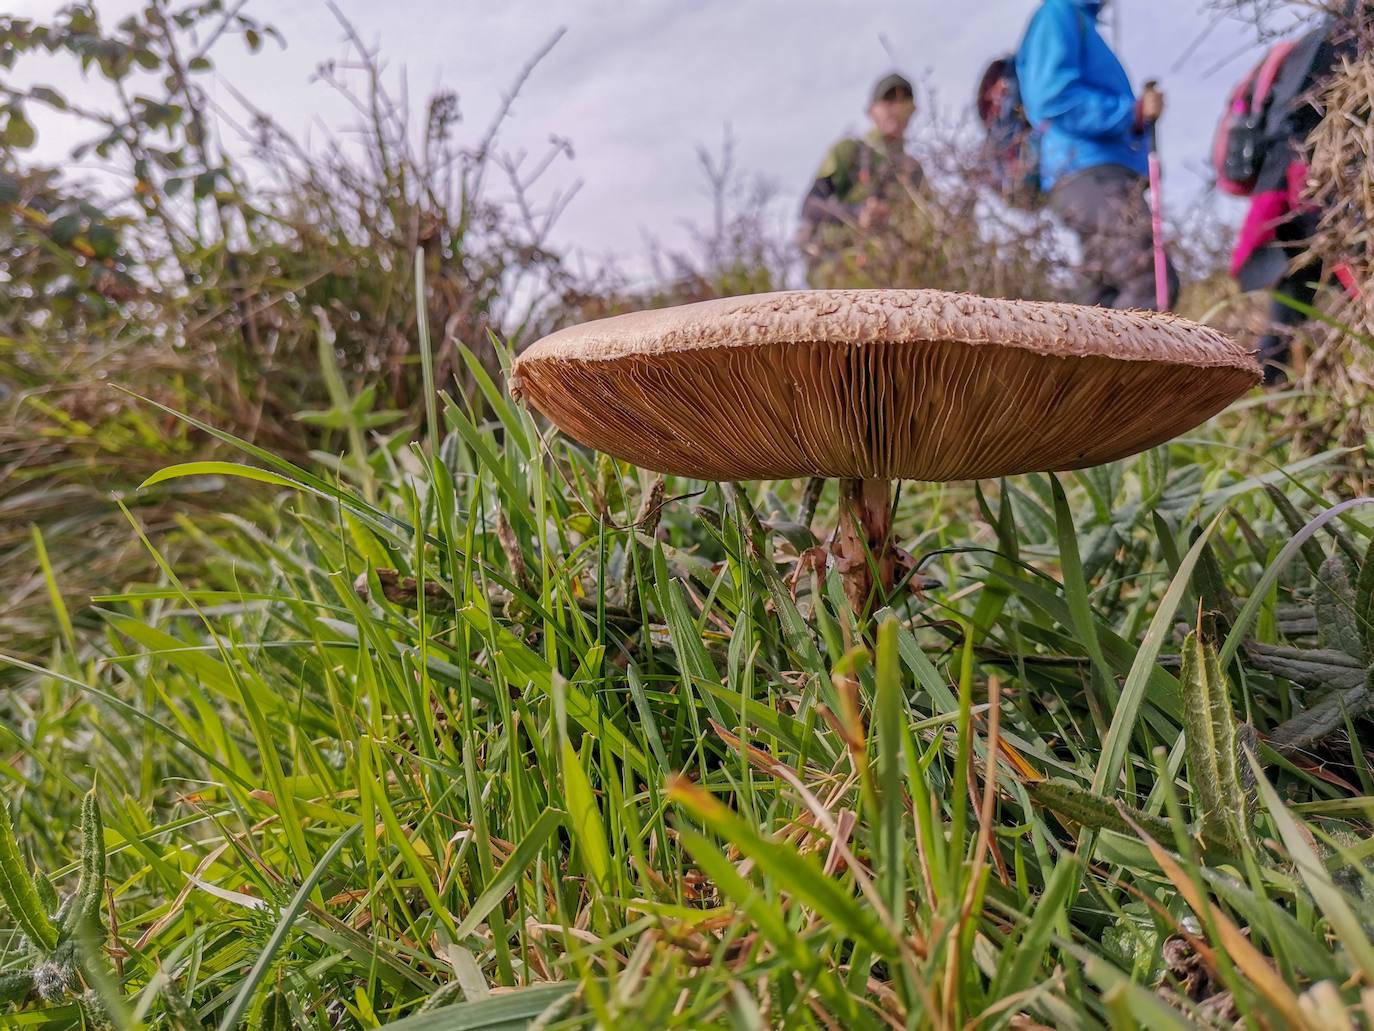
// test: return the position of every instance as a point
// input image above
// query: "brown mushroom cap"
(879, 384)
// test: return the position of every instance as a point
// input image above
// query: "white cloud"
(637, 87)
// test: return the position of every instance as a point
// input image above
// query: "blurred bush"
(263, 285)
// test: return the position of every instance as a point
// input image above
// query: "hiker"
(1010, 160)
(1094, 139)
(1258, 153)
(860, 183)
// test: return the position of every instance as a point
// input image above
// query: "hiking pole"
(1157, 217)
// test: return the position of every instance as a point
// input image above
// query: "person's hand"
(1150, 106)
(872, 213)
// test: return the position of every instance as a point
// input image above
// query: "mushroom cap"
(879, 384)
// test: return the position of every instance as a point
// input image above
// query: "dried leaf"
(1257, 969)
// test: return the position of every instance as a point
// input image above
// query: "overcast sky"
(637, 86)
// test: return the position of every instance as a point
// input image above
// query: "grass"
(640, 768)
(442, 722)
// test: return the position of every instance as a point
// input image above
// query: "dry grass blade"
(1257, 968)
(1312, 869)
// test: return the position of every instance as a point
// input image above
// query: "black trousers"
(1106, 207)
(1270, 268)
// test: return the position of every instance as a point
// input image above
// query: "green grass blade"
(18, 891)
(1260, 593)
(426, 352)
(59, 607)
(799, 873)
(890, 715)
(1117, 741)
(513, 1011)
(238, 1009)
(1027, 954)
(584, 817)
(1076, 587)
(511, 871)
(1350, 930)
(236, 469)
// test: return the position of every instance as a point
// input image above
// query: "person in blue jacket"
(1094, 150)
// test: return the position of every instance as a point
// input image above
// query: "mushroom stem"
(863, 547)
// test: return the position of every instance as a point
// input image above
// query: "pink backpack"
(1240, 144)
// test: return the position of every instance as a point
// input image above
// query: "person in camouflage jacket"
(859, 183)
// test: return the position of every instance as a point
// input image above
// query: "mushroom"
(871, 386)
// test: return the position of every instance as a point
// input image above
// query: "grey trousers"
(1107, 209)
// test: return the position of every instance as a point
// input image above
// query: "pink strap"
(1297, 187)
(1267, 210)
(1347, 280)
(1269, 72)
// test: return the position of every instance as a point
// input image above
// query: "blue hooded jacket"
(1076, 92)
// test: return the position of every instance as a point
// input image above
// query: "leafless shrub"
(352, 216)
(955, 235)
(741, 249)
(198, 280)
(1342, 167)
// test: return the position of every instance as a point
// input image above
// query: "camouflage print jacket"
(853, 171)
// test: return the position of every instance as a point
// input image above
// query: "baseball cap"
(892, 83)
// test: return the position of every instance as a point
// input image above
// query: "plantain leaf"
(1307, 667)
(521, 1008)
(1209, 729)
(1312, 725)
(1235, 638)
(1210, 587)
(249, 985)
(14, 985)
(47, 894)
(1099, 551)
(1364, 601)
(1337, 626)
(449, 993)
(1295, 620)
(276, 1010)
(84, 908)
(1077, 803)
(1348, 928)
